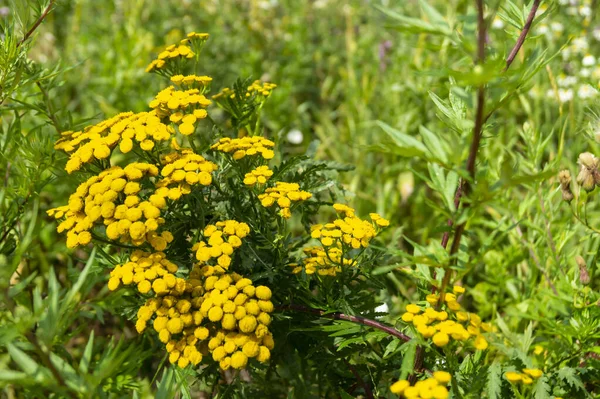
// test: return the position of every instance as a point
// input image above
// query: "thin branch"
(37, 23)
(363, 383)
(523, 35)
(355, 319)
(464, 185)
(481, 53)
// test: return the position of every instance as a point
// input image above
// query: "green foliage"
(384, 95)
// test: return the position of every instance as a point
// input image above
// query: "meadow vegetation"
(301, 199)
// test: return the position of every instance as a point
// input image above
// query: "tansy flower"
(245, 146)
(512, 376)
(284, 195)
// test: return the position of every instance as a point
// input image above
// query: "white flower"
(557, 27)
(585, 11)
(498, 23)
(566, 81)
(565, 95)
(543, 29)
(580, 44)
(586, 91)
(596, 34)
(588, 60)
(320, 4)
(295, 136)
(585, 73)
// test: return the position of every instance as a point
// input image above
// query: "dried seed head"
(588, 160)
(564, 177)
(586, 180)
(567, 195)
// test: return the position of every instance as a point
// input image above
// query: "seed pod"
(586, 180)
(567, 195)
(584, 275)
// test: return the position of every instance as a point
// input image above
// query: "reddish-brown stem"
(509, 60)
(464, 184)
(355, 319)
(37, 23)
(523, 35)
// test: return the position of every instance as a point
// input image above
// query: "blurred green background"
(340, 67)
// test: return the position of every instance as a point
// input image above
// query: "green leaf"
(435, 146)
(408, 360)
(25, 363)
(493, 386)
(391, 348)
(80, 280)
(12, 376)
(541, 389)
(405, 145)
(165, 389)
(570, 376)
(84, 363)
(415, 25)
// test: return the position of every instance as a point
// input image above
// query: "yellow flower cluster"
(325, 263)
(182, 107)
(438, 326)
(433, 387)
(338, 239)
(350, 230)
(98, 141)
(222, 238)
(259, 175)
(150, 271)
(262, 90)
(184, 169)
(192, 80)
(113, 199)
(526, 377)
(284, 195)
(240, 313)
(245, 146)
(177, 325)
(212, 312)
(178, 52)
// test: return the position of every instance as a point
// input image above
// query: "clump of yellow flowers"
(448, 323)
(339, 239)
(168, 214)
(527, 376)
(433, 387)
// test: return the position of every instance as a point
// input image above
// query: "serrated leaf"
(569, 375)
(541, 390)
(493, 386)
